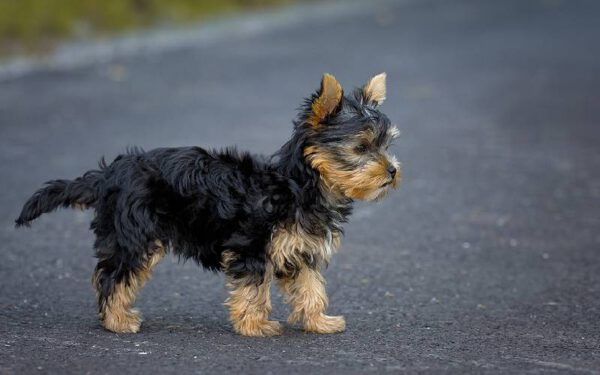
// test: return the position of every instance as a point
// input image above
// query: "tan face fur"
(351, 150)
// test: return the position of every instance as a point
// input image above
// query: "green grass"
(33, 26)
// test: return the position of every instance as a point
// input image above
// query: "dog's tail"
(79, 193)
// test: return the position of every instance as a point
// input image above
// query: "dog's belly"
(204, 238)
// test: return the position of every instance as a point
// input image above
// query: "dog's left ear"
(374, 90)
(328, 100)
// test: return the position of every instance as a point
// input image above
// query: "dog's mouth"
(387, 183)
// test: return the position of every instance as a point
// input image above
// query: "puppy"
(255, 219)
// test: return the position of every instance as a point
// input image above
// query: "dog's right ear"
(328, 100)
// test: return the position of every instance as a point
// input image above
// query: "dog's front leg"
(305, 292)
(249, 304)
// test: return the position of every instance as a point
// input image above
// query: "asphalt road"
(485, 261)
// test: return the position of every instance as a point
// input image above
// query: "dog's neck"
(319, 209)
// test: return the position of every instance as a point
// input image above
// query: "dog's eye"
(362, 148)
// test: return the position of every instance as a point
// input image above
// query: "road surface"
(487, 260)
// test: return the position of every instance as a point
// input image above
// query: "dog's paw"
(127, 321)
(260, 328)
(325, 324)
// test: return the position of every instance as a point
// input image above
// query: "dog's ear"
(374, 90)
(328, 100)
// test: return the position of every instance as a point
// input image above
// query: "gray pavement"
(485, 261)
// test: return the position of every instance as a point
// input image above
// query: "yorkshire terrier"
(256, 219)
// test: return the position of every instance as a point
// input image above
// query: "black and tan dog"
(254, 219)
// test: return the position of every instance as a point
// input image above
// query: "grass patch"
(34, 26)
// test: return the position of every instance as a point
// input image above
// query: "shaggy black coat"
(199, 202)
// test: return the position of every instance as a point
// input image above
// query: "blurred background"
(37, 26)
(486, 260)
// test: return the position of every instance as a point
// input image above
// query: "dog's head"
(347, 139)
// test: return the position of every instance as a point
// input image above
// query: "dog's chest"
(292, 248)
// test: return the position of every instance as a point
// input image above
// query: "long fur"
(214, 207)
(81, 192)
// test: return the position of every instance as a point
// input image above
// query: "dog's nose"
(392, 171)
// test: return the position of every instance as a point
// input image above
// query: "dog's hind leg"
(117, 285)
(249, 299)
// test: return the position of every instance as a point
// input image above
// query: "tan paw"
(258, 328)
(325, 324)
(124, 321)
